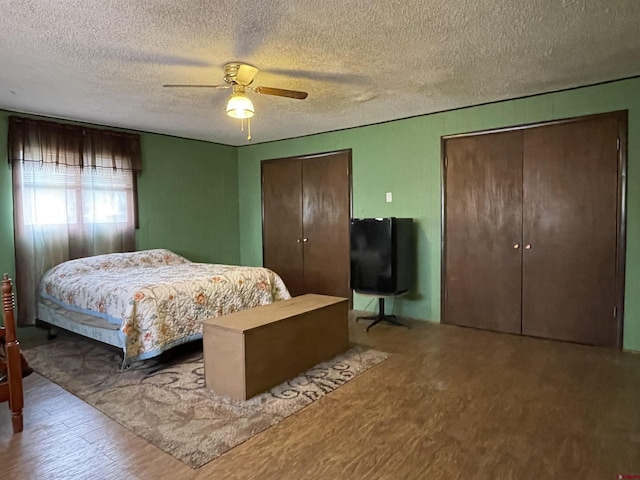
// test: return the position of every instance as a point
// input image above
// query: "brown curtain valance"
(56, 144)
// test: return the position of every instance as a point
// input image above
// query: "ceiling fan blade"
(246, 74)
(198, 86)
(280, 92)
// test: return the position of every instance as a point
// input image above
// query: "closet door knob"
(527, 246)
(305, 240)
(298, 240)
(516, 246)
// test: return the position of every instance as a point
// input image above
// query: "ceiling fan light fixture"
(239, 76)
(239, 106)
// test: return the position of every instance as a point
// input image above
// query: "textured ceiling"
(362, 62)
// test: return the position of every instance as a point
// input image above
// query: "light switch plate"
(389, 197)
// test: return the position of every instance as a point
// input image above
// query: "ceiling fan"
(239, 77)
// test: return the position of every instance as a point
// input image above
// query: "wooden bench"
(249, 352)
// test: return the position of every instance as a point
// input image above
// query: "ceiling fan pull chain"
(248, 127)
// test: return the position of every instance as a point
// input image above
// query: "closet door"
(570, 231)
(282, 221)
(326, 188)
(483, 231)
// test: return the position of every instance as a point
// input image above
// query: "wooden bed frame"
(11, 388)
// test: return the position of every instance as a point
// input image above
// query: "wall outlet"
(389, 197)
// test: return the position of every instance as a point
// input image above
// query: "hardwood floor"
(450, 402)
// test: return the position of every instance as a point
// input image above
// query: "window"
(76, 198)
(74, 191)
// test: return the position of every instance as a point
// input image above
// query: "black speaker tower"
(382, 260)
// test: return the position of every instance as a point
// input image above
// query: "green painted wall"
(7, 263)
(403, 157)
(187, 199)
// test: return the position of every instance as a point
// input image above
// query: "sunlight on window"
(104, 207)
(54, 198)
(48, 207)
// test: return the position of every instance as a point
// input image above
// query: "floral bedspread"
(158, 298)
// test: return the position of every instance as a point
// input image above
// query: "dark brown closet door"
(570, 223)
(282, 221)
(483, 231)
(326, 213)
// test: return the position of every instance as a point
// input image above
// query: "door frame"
(621, 221)
(347, 151)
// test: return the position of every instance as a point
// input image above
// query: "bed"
(149, 301)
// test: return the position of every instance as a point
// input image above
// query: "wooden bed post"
(11, 389)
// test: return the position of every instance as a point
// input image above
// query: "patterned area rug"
(165, 401)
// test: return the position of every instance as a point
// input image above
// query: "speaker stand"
(382, 317)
